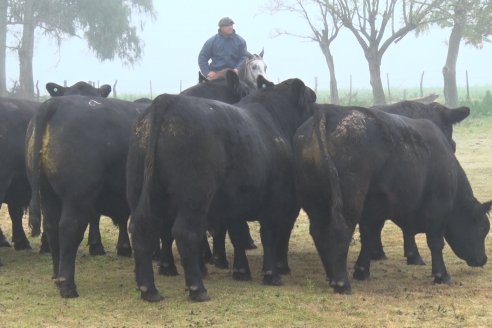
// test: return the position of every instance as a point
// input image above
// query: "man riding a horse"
(226, 50)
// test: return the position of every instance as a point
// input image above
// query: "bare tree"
(3, 46)
(324, 26)
(377, 24)
(470, 22)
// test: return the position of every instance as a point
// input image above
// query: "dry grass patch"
(397, 295)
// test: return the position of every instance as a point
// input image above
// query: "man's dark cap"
(226, 21)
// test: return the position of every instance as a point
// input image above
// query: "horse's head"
(252, 67)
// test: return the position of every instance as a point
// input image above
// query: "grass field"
(397, 295)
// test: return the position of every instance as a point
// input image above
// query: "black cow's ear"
(456, 115)
(201, 77)
(232, 78)
(105, 90)
(262, 83)
(55, 90)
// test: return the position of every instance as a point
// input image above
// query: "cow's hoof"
(4, 243)
(220, 263)
(66, 290)
(22, 245)
(168, 270)
(442, 278)
(272, 280)
(341, 287)
(241, 275)
(361, 273)
(378, 256)
(124, 251)
(415, 260)
(97, 250)
(151, 296)
(198, 294)
(283, 268)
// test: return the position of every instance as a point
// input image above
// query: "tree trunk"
(26, 52)
(449, 70)
(374, 61)
(334, 98)
(3, 47)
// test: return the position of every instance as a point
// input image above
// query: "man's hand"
(212, 75)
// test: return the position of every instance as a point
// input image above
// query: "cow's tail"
(156, 113)
(329, 168)
(37, 127)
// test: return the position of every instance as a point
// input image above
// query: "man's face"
(227, 30)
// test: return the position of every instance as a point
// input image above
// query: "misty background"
(174, 39)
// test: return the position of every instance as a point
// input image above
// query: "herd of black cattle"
(182, 165)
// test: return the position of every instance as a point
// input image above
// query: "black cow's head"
(79, 88)
(467, 236)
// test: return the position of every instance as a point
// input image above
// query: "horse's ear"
(55, 90)
(262, 83)
(249, 55)
(262, 52)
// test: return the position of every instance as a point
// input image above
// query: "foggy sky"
(174, 39)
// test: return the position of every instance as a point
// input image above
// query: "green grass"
(397, 295)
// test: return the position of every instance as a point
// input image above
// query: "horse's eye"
(255, 66)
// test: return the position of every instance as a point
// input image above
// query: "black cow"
(228, 89)
(15, 191)
(444, 118)
(357, 165)
(76, 158)
(14, 187)
(209, 163)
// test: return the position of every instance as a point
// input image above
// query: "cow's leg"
(284, 230)
(411, 250)
(45, 245)
(167, 267)
(3, 241)
(145, 240)
(207, 252)
(269, 239)
(251, 242)
(123, 247)
(95, 243)
(240, 267)
(219, 252)
(435, 241)
(73, 223)
(377, 252)
(51, 217)
(368, 237)
(189, 230)
(19, 238)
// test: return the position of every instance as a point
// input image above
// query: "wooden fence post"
(388, 86)
(115, 94)
(421, 85)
